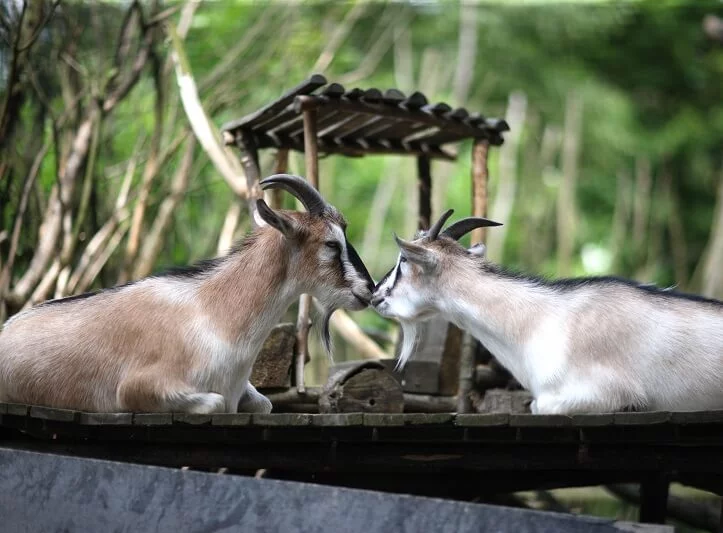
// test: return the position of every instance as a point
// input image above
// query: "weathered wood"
(311, 157)
(47, 413)
(425, 403)
(337, 419)
(106, 419)
(367, 387)
(192, 419)
(497, 419)
(281, 420)
(504, 401)
(281, 165)
(246, 143)
(270, 110)
(152, 419)
(272, 368)
(424, 186)
(231, 419)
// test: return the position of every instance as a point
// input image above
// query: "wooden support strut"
(312, 175)
(250, 163)
(480, 177)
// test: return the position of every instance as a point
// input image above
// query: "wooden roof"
(358, 122)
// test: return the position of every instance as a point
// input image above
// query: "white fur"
(591, 348)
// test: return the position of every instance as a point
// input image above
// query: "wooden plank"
(17, 409)
(278, 420)
(231, 419)
(644, 418)
(305, 87)
(423, 419)
(550, 421)
(587, 420)
(3, 408)
(424, 186)
(338, 419)
(106, 419)
(429, 114)
(697, 417)
(379, 419)
(192, 419)
(48, 413)
(485, 420)
(152, 419)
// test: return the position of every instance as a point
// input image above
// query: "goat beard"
(326, 333)
(409, 343)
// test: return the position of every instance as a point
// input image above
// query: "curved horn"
(433, 232)
(464, 226)
(299, 187)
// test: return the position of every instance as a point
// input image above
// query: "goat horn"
(300, 188)
(433, 232)
(464, 226)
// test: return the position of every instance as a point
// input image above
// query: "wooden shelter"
(315, 117)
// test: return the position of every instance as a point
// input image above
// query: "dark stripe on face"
(358, 265)
(396, 273)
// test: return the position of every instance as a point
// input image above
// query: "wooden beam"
(424, 183)
(250, 162)
(280, 167)
(480, 177)
(311, 155)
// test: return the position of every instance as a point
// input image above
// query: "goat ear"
(478, 250)
(414, 253)
(281, 222)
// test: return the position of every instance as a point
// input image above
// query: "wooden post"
(424, 182)
(311, 156)
(480, 177)
(280, 167)
(250, 162)
(654, 500)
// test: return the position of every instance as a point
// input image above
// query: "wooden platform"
(459, 456)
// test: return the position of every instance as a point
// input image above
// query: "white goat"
(185, 341)
(578, 345)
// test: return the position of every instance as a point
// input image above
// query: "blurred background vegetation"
(613, 164)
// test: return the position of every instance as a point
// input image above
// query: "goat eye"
(333, 245)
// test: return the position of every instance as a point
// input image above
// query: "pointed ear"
(478, 250)
(419, 255)
(281, 222)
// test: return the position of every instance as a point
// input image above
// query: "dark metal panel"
(48, 493)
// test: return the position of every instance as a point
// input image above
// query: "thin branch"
(206, 133)
(40, 27)
(15, 239)
(153, 241)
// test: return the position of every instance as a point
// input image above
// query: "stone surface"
(49, 493)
